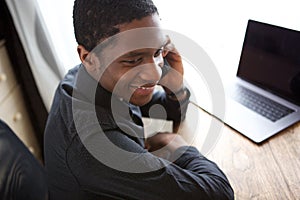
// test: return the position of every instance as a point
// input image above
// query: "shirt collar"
(90, 90)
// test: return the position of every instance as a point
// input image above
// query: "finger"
(170, 47)
(165, 53)
(147, 146)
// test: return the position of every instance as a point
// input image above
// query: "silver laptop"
(265, 98)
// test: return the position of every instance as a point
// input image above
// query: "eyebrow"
(136, 53)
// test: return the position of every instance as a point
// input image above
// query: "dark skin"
(138, 72)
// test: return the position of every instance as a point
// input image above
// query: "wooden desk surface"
(270, 170)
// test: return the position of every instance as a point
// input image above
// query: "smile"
(144, 89)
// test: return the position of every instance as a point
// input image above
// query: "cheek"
(108, 80)
(116, 80)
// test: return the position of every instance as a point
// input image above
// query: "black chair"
(22, 177)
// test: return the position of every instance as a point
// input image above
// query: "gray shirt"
(94, 149)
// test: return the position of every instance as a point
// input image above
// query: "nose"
(150, 72)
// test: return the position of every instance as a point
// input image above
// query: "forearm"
(208, 179)
(195, 173)
(191, 176)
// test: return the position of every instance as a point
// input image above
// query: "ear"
(82, 52)
(88, 59)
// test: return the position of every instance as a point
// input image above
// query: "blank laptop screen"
(270, 58)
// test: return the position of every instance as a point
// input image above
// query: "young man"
(94, 139)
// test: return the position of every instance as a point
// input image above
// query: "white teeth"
(145, 88)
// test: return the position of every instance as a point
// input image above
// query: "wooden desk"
(270, 170)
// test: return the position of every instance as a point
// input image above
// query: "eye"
(132, 62)
(158, 52)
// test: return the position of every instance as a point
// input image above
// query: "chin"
(140, 101)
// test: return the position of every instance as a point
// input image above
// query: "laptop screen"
(270, 58)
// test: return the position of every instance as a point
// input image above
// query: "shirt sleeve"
(191, 176)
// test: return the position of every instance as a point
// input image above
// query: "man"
(94, 139)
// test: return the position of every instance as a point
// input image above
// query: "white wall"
(218, 26)
(58, 17)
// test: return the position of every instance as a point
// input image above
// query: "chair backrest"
(21, 175)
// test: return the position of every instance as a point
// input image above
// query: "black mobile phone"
(166, 67)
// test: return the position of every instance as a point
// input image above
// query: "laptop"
(265, 97)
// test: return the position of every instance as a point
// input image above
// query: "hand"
(173, 80)
(164, 141)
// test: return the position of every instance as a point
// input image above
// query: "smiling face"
(134, 74)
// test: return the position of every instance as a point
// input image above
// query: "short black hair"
(95, 20)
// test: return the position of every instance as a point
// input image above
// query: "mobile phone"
(165, 69)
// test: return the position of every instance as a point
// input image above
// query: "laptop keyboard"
(260, 104)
